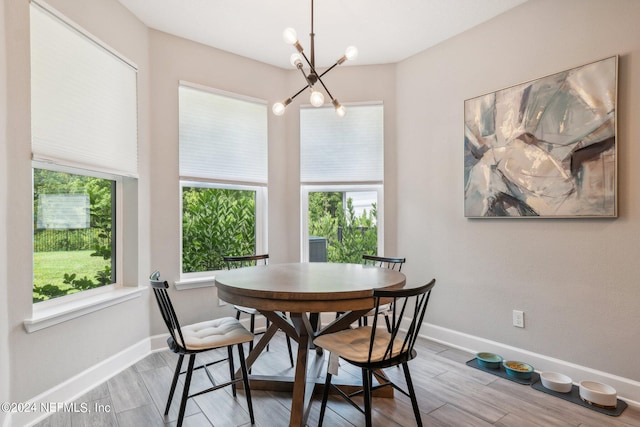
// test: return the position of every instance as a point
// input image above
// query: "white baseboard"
(628, 389)
(158, 342)
(74, 387)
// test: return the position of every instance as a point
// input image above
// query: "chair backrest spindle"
(245, 260)
(393, 263)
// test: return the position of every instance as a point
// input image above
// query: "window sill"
(45, 317)
(194, 283)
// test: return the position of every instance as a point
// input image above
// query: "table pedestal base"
(309, 376)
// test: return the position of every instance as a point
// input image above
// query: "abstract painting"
(544, 148)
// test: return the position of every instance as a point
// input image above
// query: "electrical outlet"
(518, 318)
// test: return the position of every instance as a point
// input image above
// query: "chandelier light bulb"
(296, 60)
(351, 53)
(290, 36)
(278, 108)
(317, 98)
(340, 110)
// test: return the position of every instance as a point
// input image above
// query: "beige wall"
(575, 279)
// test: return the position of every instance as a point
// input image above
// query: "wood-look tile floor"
(450, 394)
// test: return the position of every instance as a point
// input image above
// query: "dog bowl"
(598, 394)
(489, 360)
(556, 382)
(517, 369)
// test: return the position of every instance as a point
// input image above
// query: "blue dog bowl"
(517, 369)
(489, 360)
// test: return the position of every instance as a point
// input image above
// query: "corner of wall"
(4, 321)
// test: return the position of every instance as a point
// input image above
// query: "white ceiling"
(384, 31)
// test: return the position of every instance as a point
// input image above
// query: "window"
(341, 171)
(84, 150)
(223, 177)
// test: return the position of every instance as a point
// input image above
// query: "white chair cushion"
(353, 344)
(247, 310)
(383, 310)
(214, 333)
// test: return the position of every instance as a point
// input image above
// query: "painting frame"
(545, 148)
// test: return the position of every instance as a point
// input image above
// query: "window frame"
(61, 309)
(117, 231)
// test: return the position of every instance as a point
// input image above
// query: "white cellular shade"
(221, 137)
(342, 149)
(83, 100)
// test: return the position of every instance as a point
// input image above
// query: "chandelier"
(311, 77)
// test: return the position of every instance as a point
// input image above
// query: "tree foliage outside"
(82, 275)
(348, 236)
(216, 223)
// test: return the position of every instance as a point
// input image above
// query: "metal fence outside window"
(48, 240)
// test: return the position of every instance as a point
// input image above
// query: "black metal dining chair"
(248, 261)
(392, 263)
(197, 338)
(373, 349)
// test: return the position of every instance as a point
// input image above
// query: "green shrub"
(216, 222)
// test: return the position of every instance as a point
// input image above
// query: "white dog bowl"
(556, 382)
(598, 394)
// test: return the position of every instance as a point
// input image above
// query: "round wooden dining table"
(304, 290)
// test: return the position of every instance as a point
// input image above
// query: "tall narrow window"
(341, 171)
(223, 173)
(84, 144)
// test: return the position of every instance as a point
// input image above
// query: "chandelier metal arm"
(309, 63)
(329, 69)
(325, 88)
(309, 82)
(299, 92)
(325, 72)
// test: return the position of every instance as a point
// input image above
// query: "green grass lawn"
(50, 267)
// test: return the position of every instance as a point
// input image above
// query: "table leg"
(304, 382)
(309, 364)
(260, 346)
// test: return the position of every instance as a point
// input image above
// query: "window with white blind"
(342, 176)
(84, 150)
(223, 177)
